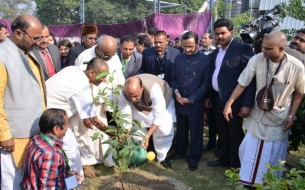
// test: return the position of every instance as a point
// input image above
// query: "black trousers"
(192, 124)
(230, 134)
(212, 127)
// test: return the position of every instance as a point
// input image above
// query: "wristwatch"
(294, 118)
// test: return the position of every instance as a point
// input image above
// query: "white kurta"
(70, 90)
(160, 116)
(92, 151)
(266, 140)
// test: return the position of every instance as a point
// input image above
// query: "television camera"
(256, 29)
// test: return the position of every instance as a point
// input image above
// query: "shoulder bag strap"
(276, 71)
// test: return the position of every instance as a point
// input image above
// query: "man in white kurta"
(266, 140)
(151, 104)
(70, 90)
(92, 151)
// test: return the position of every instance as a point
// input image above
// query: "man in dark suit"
(48, 56)
(159, 60)
(89, 39)
(130, 59)
(189, 80)
(228, 61)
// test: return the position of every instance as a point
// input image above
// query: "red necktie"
(48, 63)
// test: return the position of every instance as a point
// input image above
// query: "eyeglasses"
(35, 39)
(300, 39)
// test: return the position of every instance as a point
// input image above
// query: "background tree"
(10, 9)
(58, 11)
(103, 11)
(118, 11)
(239, 21)
(294, 9)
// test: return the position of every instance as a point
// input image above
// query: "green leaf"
(133, 131)
(107, 153)
(137, 123)
(95, 136)
(102, 75)
(110, 80)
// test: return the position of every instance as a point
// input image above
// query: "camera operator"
(297, 46)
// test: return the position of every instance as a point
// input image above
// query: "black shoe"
(208, 147)
(218, 163)
(175, 157)
(132, 165)
(193, 167)
(217, 153)
(166, 163)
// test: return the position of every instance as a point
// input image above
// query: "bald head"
(106, 47)
(277, 37)
(95, 67)
(273, 46)
(23, 22)
(27, 30)
(133, 89)
(97, 64)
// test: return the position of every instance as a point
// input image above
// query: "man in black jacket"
(228, 61)
(189, 80)
(89, 39)
(159, 60)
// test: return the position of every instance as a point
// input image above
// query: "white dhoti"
(71, 149)
(92, 152)
(11, 176)
(255, 153)
(164, 135)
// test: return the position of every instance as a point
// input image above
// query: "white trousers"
(92, 152)
(11, 177)
(255, 153)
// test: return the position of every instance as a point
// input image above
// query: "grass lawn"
(151, 175)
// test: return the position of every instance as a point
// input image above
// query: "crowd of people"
(47, 115)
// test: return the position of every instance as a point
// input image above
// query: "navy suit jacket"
(234, 62)
(55, 56)
(149, 61)
(191, 77)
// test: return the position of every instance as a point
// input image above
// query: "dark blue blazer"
(234, 62)
(149, 61)
(191, 77)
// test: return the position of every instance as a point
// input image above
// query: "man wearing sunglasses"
(89, 39)
(22, 97)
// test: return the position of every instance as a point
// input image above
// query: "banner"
(172, 24)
